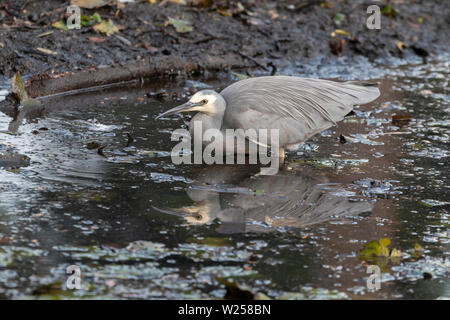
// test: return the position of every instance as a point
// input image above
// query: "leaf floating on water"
(106, 27)
(401, 45)
(181, 26)
(236, 291)
(211, 241)
(379, 248)
(395, 253)
(418, 247)
(92, 145)
(400, 120)
(384, 243)
(18, 88)
(371, 249)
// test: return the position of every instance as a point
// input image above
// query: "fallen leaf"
(18, 88)
(395, 253)
(400, 120)
(96, 39)
(44, 34)
(89, 4)
(60, 25)
(343, 32)
(401, 45)
(388, 11)
(224, 12)
(339, 18)
(47, 51)
(181, 26)
(236, 291)
(417, 247)
(106, 27)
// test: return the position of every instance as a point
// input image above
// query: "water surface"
(140, 227)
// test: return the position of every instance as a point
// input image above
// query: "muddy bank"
(259, 36)
(266, 31)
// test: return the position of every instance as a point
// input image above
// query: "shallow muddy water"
(140, 227)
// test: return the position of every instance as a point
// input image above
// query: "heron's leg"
(281, 155)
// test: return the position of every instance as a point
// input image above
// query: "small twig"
(251, 59)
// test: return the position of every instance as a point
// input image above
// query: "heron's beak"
(188, 106)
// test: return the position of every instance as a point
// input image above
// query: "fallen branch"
(98, 78)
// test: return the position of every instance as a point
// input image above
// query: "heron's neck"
(208, 121)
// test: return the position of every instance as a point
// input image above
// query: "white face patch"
(210, 97)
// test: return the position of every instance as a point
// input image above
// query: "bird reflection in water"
(244, 201)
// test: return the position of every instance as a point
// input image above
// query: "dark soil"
(273, 36)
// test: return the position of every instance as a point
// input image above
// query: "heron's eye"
(204, 101)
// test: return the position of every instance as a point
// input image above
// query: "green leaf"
(384, 243)
(240, 76)
(339, 18)
(371, 249)
(388, 11)
(181, 26)
(96, 17)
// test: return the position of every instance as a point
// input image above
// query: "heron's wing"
(299, 107)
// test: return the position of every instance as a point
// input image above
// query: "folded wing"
(299, 107)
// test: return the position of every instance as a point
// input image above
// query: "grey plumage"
(298, 107)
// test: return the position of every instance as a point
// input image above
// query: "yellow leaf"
(384, 243)
(60, 25)
(401, 45)
(18, 88)
(106, 27)
(343, 32)
(395, 253)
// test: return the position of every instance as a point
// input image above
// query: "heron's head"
(206, 101)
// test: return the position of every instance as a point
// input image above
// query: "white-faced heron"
(298, 107)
